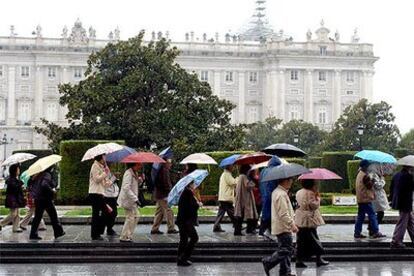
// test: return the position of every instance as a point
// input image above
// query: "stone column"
(217, 82)
(63, 110)
(267, 96)
(242, 97)
(281, 98)
(368, 85)
(308, 95)
(11, 97)
(38, 95)
(336, 96)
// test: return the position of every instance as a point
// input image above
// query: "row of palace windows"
(51, 72)
(24, 111)
(322, 114)
(26, 89)
(322, 75)
(321, 92)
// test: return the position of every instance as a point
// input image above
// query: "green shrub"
(336, 162)
(314, 162)
(401, 152)
(74, 174)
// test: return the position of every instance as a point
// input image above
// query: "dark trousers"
(238, 225)
(49, 207)
(308, 243)
(265, 224)
(109, 218)
(283, 255)
(98, 209)
(188, 239)
(405, 223)
(224, 207)
(380, 217)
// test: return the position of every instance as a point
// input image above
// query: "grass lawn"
(6, 211)
(147, 211)
(339, 210)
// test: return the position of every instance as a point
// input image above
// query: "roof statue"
(309, 35)
(78, 34)
(258, 28)
(337, 35)
(92, 33)
(65, 32)
(323, 32)
(38, 31)
(355, 36)
(12, 33)
(117, 34)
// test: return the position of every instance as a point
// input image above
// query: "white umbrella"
(199, 158)
(18, 158)
(43, 163)
(101, 149)
(266, 163)
(407, 161)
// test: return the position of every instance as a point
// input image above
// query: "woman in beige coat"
(128, 199)
(245, 207)
(308, 218)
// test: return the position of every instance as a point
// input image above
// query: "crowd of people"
(263, 205)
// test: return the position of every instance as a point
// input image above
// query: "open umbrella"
(101, 149)
(18, 158)
(117, 156)
(266, 164)
(376, 156)
(284, 171)
(284, 150)
(199, 158)
(43, 164)
(406, 161)
(320, 174)
(143, 157)
(24, 176)
(229, 160)
(252, 158)
(196, 176)
(165, 154)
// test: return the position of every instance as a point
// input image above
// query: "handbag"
(142, 201)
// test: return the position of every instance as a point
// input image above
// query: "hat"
(364, 163)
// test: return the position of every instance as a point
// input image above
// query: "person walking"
(365, 195)
(380, 203)
(402, 188)
(283, 225)
(245, 208)
(98, 182)
(30, 209)
(266, 189)
(110, 198)
(128, 199)
(162, 188)
(254, 175)
(44, 189)
(307, 218)
(227, 185)
(14, 198)
(187, 219)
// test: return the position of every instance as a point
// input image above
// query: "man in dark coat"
(162, 189)
(402, 188)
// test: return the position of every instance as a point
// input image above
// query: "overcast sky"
(386, 24)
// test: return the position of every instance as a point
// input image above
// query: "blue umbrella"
(164, 154)
(228, 161)
(117, 156)
(196, 176)
(376, 156)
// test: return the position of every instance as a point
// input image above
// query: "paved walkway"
(81, 233)
(237, 269)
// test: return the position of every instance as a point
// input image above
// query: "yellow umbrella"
(43, 163)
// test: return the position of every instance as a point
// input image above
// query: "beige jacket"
(308, 214)
(363, 194)
(226, 187)
(98, 179)
(244, 205)
(282, 212)
(128, 196)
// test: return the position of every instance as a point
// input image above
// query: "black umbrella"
(284, 171)
(284, 150)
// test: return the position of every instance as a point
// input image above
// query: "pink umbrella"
(320, 174)
(143, 157)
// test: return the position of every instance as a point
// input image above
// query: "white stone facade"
(276, 76)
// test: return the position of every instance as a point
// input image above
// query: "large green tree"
(407, 140)
(262, 134)
(377, 120)
(137, 92)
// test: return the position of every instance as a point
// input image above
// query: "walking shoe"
(218, 230)
(17, 231)
(174, 231)
(360, 236)
(238, 234)
(156, 232)
(321, 262)
(35, 238)
(1, 227)
(111, 233)
(23, 228)
(253, 232)
(378, 235)
(301, 265)
(397, 245)
(183, 263)
(42, 229)
(97, 238)
(266, 267)
(61, 234)
(127, 240)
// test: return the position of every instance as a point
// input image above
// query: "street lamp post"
(360, 130)
(5, 142)
(296, 139)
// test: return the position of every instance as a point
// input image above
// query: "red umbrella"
(252, 158)
(143, 157)
(320, 174)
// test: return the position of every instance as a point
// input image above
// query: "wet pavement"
(239, 269)
(81, 234)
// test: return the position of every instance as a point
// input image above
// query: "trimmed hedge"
(314, 162)
(74, 174)
(336, 162)
(401, 152)
(211, 185)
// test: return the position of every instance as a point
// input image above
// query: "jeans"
(366, 209)
(283, 255)
(186, 246)
(49, 207)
